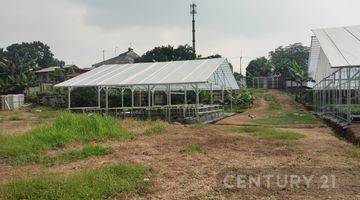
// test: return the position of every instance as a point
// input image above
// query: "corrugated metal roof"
(48, 69)
(341, 45)
(214, 71)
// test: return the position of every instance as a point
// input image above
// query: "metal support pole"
(223, 95)
(153, 97)
(169, 102)
(122, 97)
(212, 94)
(132, 100)
(99, 97)
(185, 101)
(348, 98)
(69, 97)
(231, 101)
(107, 100)
(149, 102)
(197, 103)
(140, 98)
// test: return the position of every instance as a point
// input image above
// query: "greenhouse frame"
(167, 78)
(335, 66)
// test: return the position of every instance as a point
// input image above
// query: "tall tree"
(282, 56)
(18, 63)
(258, 67)
(168, 53)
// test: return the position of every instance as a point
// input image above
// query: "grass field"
(101, 183)
(75, 156)
(86, 152)
(269, 133)
(289, 118)
(66, 128)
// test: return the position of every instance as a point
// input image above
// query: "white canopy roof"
(215, 71)
(341, 45)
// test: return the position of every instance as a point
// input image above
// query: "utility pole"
(241, 57)
(193, 11)
(103, 51)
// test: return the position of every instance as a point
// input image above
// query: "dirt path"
(200, 175)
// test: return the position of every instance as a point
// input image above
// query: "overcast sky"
(78, 30)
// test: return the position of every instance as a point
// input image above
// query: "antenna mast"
(241, 57)
(193, 12)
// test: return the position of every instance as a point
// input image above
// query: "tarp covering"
(215, 71)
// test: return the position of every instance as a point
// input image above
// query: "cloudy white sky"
(78, 30)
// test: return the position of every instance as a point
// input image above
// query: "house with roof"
(125, 58)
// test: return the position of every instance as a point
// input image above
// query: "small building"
(125, 58)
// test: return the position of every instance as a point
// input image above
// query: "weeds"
(193, 174)
(289, 118)
(66, 128)
(192, 149)
(352, 154)
(155, 127)
(269, 133)
(86, 152)
(102, 183)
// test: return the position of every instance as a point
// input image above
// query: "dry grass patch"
(144, 127)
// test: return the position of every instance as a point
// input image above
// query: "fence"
(338, 96)
(271, 82)
(11, 101)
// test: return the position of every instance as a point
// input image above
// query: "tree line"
(18, 63)
(290, 62)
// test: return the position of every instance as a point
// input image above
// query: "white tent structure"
(334, 64)
(176, 77)
(333, 48)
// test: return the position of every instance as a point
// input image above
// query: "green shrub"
(241, 101)
(31, 98)
(102, 183)
(66, 128)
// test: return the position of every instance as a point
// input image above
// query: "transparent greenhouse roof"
(216, 71)
(341, 45)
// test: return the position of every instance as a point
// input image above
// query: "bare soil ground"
(200, 175)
